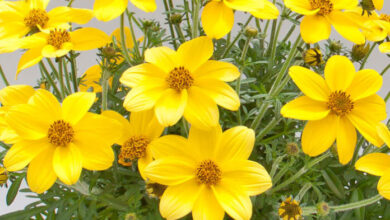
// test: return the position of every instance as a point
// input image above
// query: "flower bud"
(147, 24)
(3, 176)
(335, 47)
(292, 149)
(131, 216)
(250, 32)
(323, 208)
(155, 190)
(313, 57)
(109, 52)
(359, 51)
(290, 209)
(367, 5)
(176, 18)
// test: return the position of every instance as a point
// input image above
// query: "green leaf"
(23, 214)
(13, 190)
(357, 196)
(333, 183)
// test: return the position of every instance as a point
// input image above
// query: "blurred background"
(8, 62)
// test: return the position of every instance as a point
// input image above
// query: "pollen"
(180, 78)
(325, 6)
(290, 210)
(60, 133)
(58, 37)
(385, 17)
(36, 17)
(133, 148)
(340, 103)
(208, 173)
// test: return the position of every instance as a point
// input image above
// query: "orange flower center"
(208, 173)
(58, 37)
(133, 148)
(340, 103)
(385, 17)
(36, 17)
(325, 6)
(60, 133)
(290, 209)
(179, 78)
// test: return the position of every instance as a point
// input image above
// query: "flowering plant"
(194, 119)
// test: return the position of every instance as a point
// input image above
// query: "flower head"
(313, 57)
(209, 173)
(335, 106)
(321, 15)
(182, 82)
(218, 15)
(290, 209)
(58, 141)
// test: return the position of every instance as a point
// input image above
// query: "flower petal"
(335, 80)
(75, 106)
(375, 163)
(315, 28)
(318, 136)
(139, 74)
(145, 5)
(144, 162)
(124, 125)
(305, 108)
(172, 146)
(250, 175)
(163, 57)
(60, 15)
(346, 27)
(207, 207)
(301, 7)
(384, 185)
(366, 128)
(96, 155)
(16, 94)
(107, 10)
(233, 199)
(371, 108)
(217, 19)
(216, 70)
(378, 4)
(40, 4)
(201, 111)
(384, 133)
(177, 201)
(235, 144)
(67, 163)
(346, 140)
(145, 123)
(365, 83)
(269, 11)
(51, 51)
(170, 170)
(143, 97)
(310, 83)
(192, 54)
(28, 59)
(204, 143)
(170, 106)
(384, 47)
(89, 38)
(40, 173)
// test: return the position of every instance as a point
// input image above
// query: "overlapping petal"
(375, 164)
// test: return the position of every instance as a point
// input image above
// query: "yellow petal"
(333, 78)
(28, 59)
(124, 125)
(220, 92)
(201, 111)
(145, 123)
(374, 164)
(366, 128)
(384, 133)
(170, 170)
(40, 173)
(50, 51)
(145, 5)
(315, 28)
(310, 83)
(203, 143)
(47, 104)
(128, 38)
(170, 106)
(67, 163)
(192, 54)
(60, 15)
(365, 83)
(301, 7)
(75, 106)
(233, 199)
(163, 57)
(21, 153)
(346, 140)
(384, 186)
(144, 162)
(305, 108)
(384, 47)
(139, 74)
(269, 11)
(40, 4)
(318, 136)
(177, 201)
(89, 38)
(235, 144)
(217, 19)
(91, 79)
(346, 27)
(16, 94)
(143, 98)
(207, 207)
(371, 108)
(249, 175)
(107, 10)
(378, 4)
(244, 5)
(96, 155)
(172, 146)
(216, 70)
(345, 4)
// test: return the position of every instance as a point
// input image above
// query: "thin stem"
(53, 68)
(180, 33)
(61, 78)
(49, 79)
(275, 165)
(105, 77)
(367, 55)
(229, 47)
(268, 127)
(238, 83)
(289, 33)
(300, 172)
(123, 47)
(4, 77)
(195, 18)
(303, 190)
(73, 66)
(385, 70)
(170, 24)
(67, 78)
(136, 47)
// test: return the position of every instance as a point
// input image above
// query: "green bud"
(323, 208)
(250, 32)
(109, 52)
(335, 47)
(359, 51)
(292, 149)
(367, 5)
(176, 18)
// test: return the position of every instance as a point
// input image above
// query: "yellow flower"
(320, 15)
(290, 210)
(182, 82)
(3, 176)
(313, 57)
(334, 107)
(59, 42)
(106, 10)
(209, 173)
(58, 141)
(11, 96)
(22, 17)
(218, 15)
(137, 135)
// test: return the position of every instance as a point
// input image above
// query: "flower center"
(180, 78)
(58, 37)
(385, 17)
(290, 209)
(36, 17)
(325, 6)
(340, 103)
(60, 133)
(132, 149)
(208, 173)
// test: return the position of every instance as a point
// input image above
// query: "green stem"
(289, 33)
(67, 78)
(302, 171)
(273, 45)
(105, 77)
(346, 207)
(53, 68)
(303, 190)
(180, 33)
(268, 127)
(195, 18)
(229, 47)
(238, 83)
(49, 79)
(73, 66)
(123, 40)
(61, 78)
(275, 165)
(367, 55)
(4, 77)
(170, 24)
(135, 42)
(385, 70)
